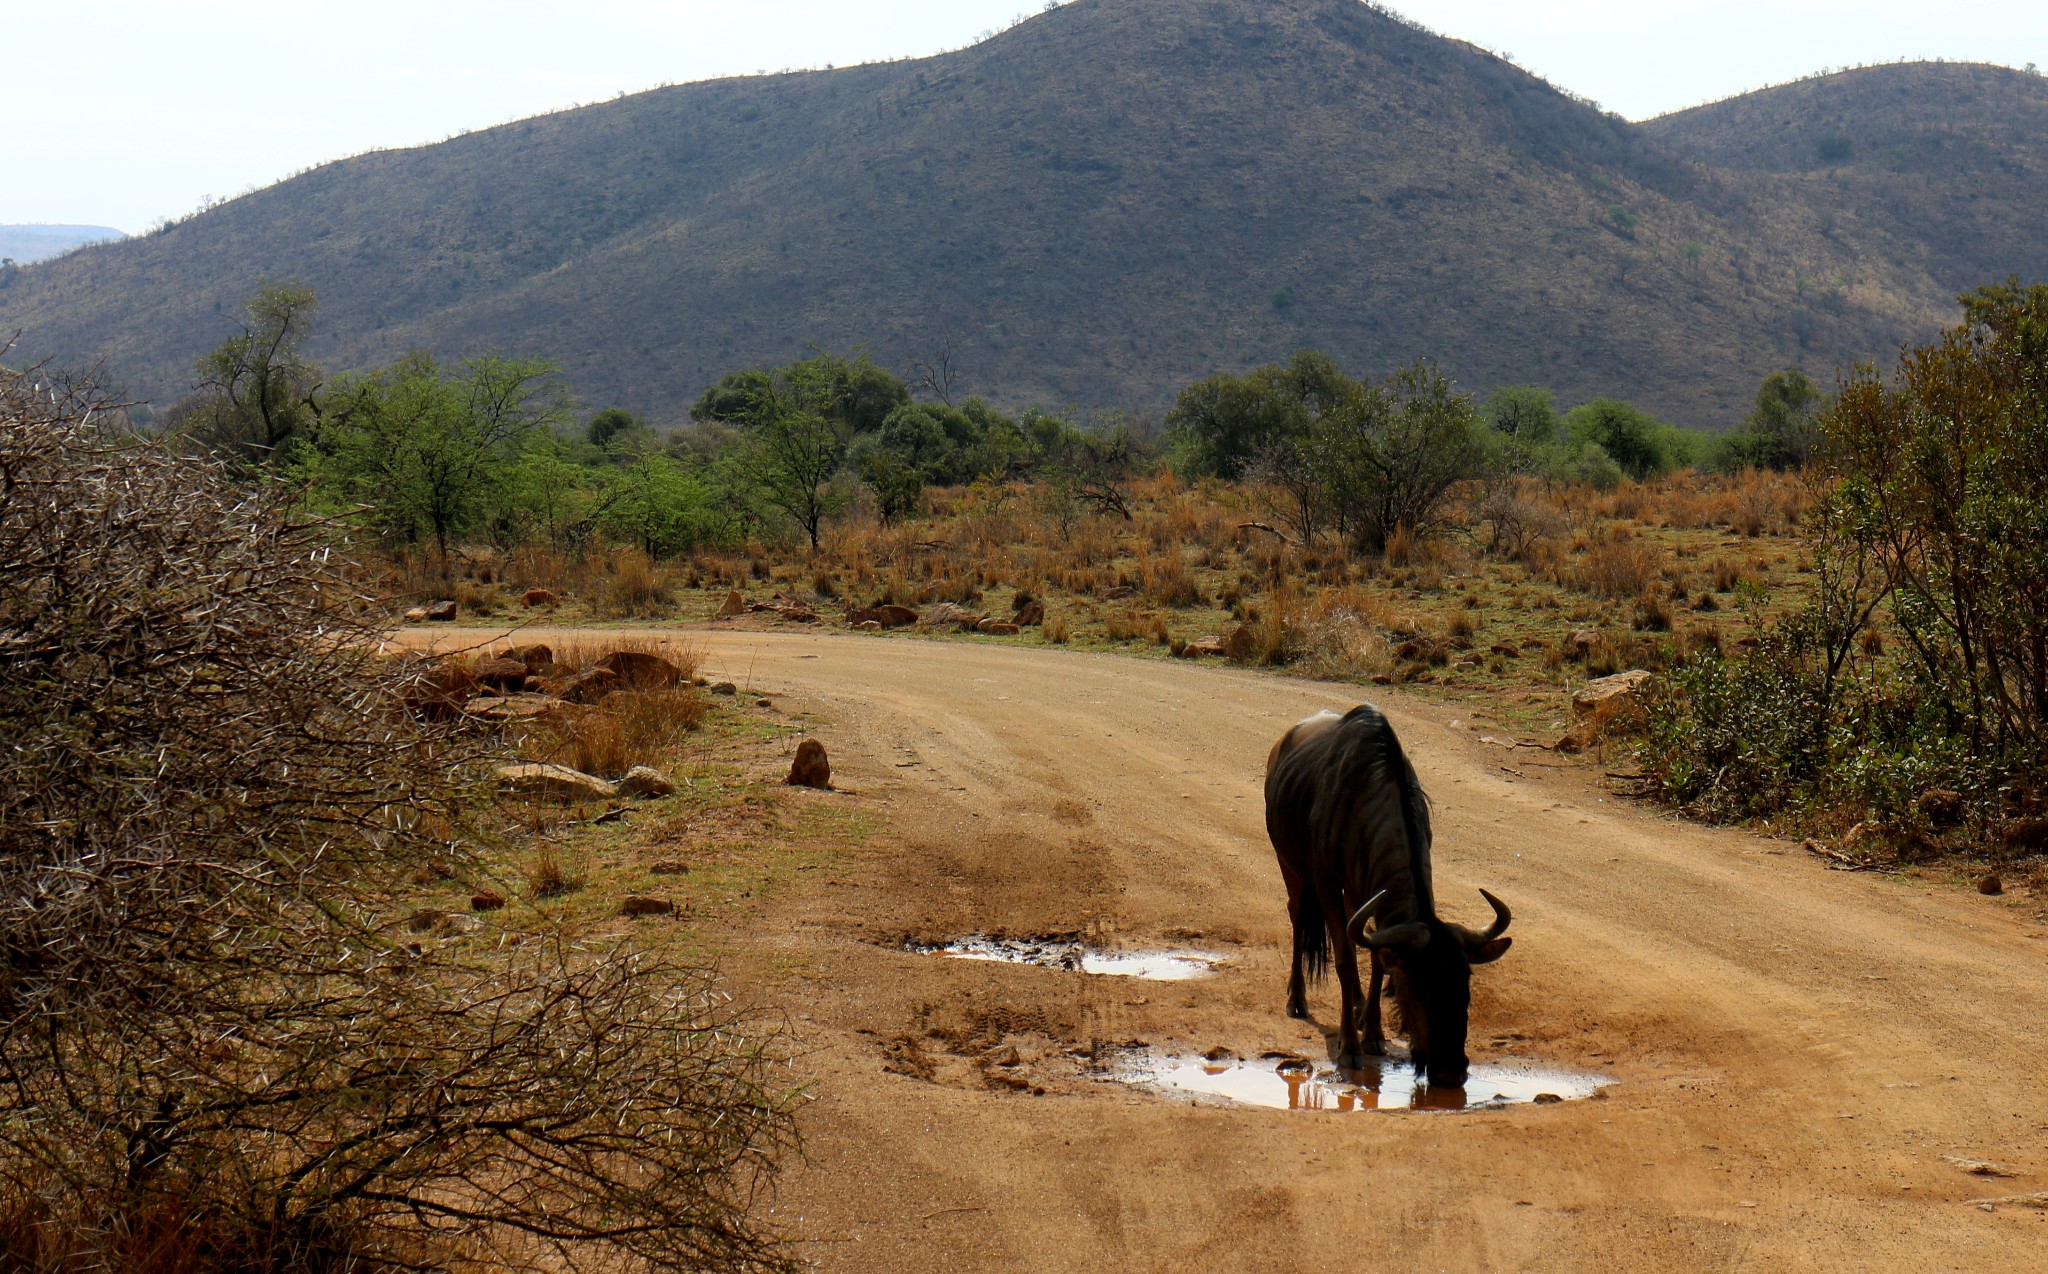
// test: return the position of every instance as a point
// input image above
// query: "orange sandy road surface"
(1795, 1050)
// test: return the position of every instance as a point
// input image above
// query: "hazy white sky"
(120, 112)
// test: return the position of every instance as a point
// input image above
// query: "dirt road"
(1796, 1051)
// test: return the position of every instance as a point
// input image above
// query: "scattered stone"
(1242, 644)
(869, 625)
(641, 670)
(486, 900)
(785, 608)
(1200, 646)
(887, 616)
(540, 597)
(1506, 651)
(542, 782)
(1622, 685)
(764, 703)
(535, 657)
(947, 614)
(638, 905)
(441, 692)
(416, 615)
(1546, 1099)
(1940, 806)
(670, 869)
(1990, 884)
(441, 612)
(996, 628)
(1382, 679)
(514, 707)
(725, 688)
(502, 674)
(644, 782)
(1030, 614)
(589, 686)
(735, 603)
(810, 768)
(1584, 641)
(1465, 665)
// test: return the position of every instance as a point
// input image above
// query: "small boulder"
(1990, 884)
(513, 707)
(1602, 690)
(441, 692)
(869, 626)
(540, 597)
(644, 782)
(1030, 615)
(641, 670)
(1201, 646)
(950, 615)
(894, 616)
(1242, 645)
(441, 612)
(416, 615)
(535, 657)
(996, 628)
(541, 782)
(486, 900)
(725, 688)
(581, 687)
(811, 768)
(1583, 642)
(637, 905)
(502, 674)
(1505, 651)
(735, 604)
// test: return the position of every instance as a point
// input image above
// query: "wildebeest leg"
(1349, 1055)
(1375, 1039)
(1297, 989)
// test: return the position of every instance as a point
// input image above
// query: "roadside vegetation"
(1823, 662)
(221, 1048)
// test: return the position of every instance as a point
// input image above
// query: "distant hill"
(27, 244)
(1105, 202)
(1950, 159)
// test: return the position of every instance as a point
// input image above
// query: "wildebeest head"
(1429, 961)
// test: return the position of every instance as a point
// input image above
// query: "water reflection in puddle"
(1296, 1084)
(1158, 966)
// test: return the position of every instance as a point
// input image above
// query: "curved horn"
(1356, 929)
(1501, 917)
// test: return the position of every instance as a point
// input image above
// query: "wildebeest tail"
(1314, 934)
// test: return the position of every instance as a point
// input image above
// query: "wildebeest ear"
(1491, 951)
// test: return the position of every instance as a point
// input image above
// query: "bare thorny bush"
(209, 1056)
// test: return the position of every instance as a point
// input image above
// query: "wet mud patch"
(1000, 1050)
(1288, 1082)
(1076, 957)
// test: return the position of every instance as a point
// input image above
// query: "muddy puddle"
(1294, 1083)
(1074, 957)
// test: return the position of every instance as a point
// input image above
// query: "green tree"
(793, 443)
(257, 393)
(611, 425)
(1391, 453)
(433, 455)
(1220, 423)
(1779, 432)
(1525, 413)
(1630, 436)
(658, 504)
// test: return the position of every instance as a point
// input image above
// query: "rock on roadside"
(541, 782)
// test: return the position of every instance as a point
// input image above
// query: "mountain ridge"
(1105, 202)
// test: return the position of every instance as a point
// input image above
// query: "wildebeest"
(1350, 825)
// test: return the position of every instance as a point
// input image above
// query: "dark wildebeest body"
(1350, 826)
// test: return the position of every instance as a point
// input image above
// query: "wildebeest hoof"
(1298, 1010)
(1352, 1061)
